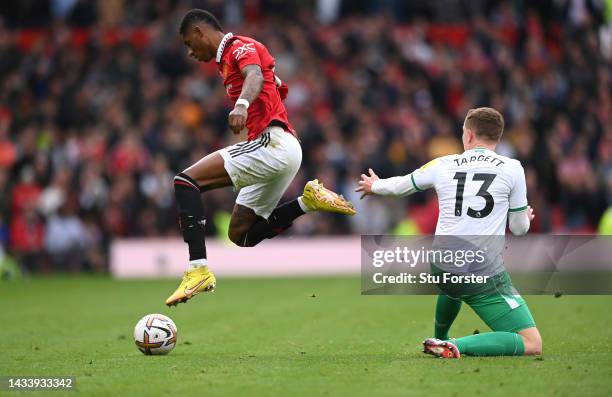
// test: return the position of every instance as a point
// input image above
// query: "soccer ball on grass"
(155, 334)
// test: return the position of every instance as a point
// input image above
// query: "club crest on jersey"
(243, 50)
(225, 71)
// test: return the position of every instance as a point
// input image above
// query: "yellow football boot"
(318, 198)
(195, 280)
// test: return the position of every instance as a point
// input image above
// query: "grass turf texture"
(290, 337)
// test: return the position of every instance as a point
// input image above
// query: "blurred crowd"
(100, 107)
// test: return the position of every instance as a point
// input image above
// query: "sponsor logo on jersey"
(243, 50)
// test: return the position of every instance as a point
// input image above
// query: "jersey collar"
(480, 149)
(222, 45)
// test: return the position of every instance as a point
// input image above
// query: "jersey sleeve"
(518, 194)
(425, 177)
(244, 54)
(419, 180)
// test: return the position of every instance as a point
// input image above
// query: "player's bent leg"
(526, 342)
(491, 344)
(508, 315)
(248, 232)
(263, 175)
(245, 232)
(208, 173)
(532, 341)
(242, 220)
(505, 321)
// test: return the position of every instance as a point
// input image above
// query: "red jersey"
(236, 52)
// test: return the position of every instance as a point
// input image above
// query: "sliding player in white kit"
(478, 191)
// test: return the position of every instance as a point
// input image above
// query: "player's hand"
(530, 213)
(237, 119)
(365, 184)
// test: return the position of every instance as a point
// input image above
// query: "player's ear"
(197, 30)
(469, 135)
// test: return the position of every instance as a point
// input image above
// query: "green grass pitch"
(286, 337)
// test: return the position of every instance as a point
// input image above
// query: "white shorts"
(261, 170)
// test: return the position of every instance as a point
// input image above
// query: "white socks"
(303, 206)
(198, 263)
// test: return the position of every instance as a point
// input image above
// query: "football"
(155, 334)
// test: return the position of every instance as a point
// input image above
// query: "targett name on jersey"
(496, 161)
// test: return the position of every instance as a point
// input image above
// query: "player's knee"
(533, 344)
(182, 179)
(235, 237)
(238, 237)
(536, 347)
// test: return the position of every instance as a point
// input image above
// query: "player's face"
(196, 44)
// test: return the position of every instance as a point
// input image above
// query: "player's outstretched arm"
(253, 83)
(419, 180)
(395, 186)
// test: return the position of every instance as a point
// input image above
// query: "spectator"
(66, 239)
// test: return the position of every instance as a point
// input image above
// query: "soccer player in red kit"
(260, 168)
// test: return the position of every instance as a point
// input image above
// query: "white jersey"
(476, 190)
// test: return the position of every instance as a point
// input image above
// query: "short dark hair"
(486, 123)
(197, 15)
